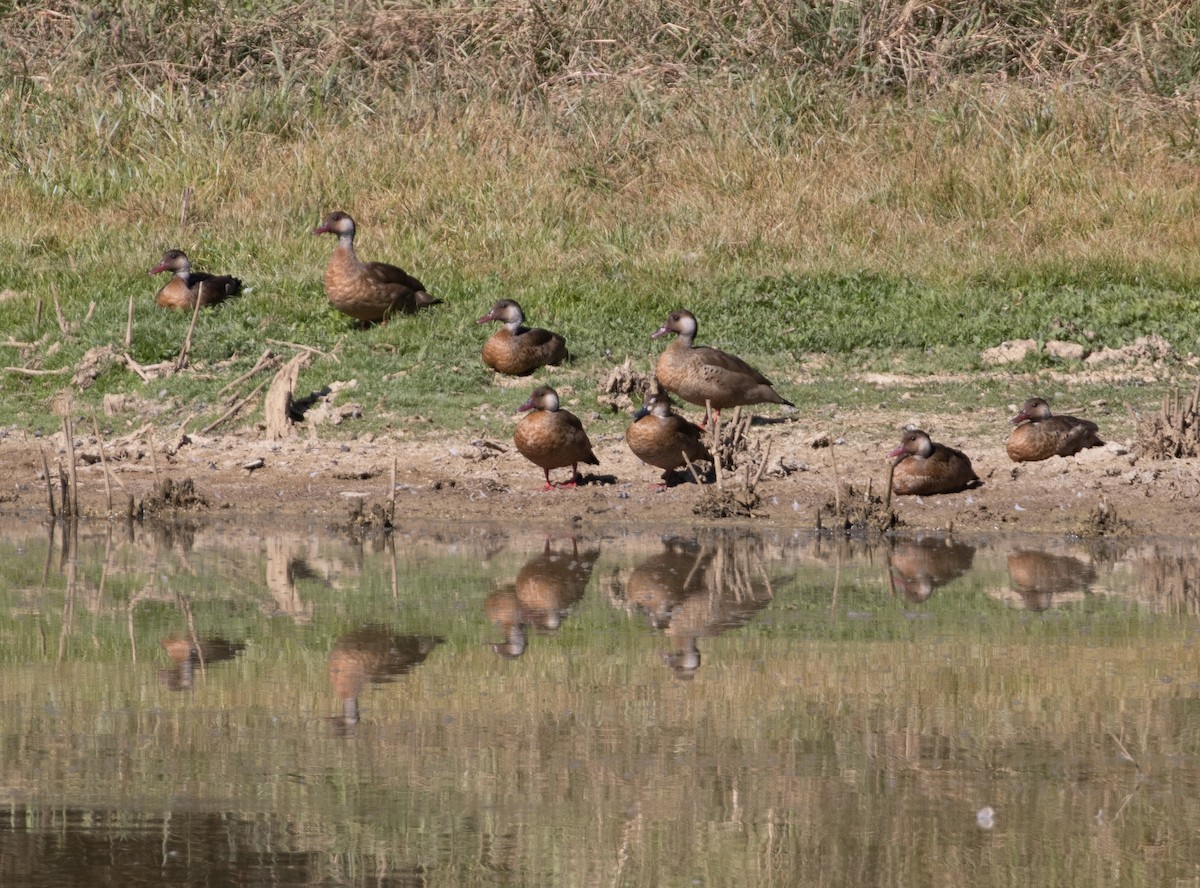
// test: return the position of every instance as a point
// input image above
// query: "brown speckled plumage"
(186, 286)
(924, 468)
(659, 437)
(369, 292)
(1041, 435)
(515, 349)
(552, 438)
(699, 373)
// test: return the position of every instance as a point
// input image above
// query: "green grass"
(918, 189)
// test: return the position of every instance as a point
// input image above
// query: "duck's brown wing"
(549, 348)
(1076, 434)
(213, 289)
(689, 438)
(406, 293)
(724, 363)
(953, 465)
(574, 433)
(390, 275)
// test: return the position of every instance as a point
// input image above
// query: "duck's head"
(174, 261)
(658, 403)
(338, 223)
(913, 443)
(681, 322)
(543, 398)
(1033, 409)
(506, 311)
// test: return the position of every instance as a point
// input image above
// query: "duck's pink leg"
(574, 482)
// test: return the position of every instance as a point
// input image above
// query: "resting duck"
(699, 373)
(186, 286)
(1039, 435)
(518, 350)
(659, 437)
(369, 292)
(551, 438)
(923, 467)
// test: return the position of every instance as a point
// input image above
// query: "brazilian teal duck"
(515, 349)
(923, 468)
(1040, 435)
(700, 373)
(372, 654)
(187, 286)
(369, 292)
(552, 438)
(660, 437)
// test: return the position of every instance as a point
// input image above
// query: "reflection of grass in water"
(811, 739)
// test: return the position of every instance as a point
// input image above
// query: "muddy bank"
(460, 477)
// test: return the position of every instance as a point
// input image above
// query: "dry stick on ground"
(265, 360)
(69, 431)
(62, 322)
(392, 498)
(25, 371)
(91, 311)
(65, 486)
(235, 409)
(332, 353)
(129, 324)
(103, 465)
(182, 360)
(37, 316)
(49, 483)
(837, 480)
(153, 459)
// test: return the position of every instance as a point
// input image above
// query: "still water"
(215, 704)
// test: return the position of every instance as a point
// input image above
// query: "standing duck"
(372, 654)
(1039, 435)
(518, 350)
(369, 292)
(700, 373)
(923, 467)
(551, 438)
(659, 437)
(186, 286)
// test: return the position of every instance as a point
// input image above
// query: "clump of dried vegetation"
(171, 496)
(738, 465)
(1174, 431)
(1103, 521)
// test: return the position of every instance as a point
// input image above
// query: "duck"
(372, 654)
(187, 653)
(369, 292)
(547, 586)
(700, 374)
(186, 287)
(923, 468)
(662, 438)
(516, 350)
(1041, 435)
(552, 438)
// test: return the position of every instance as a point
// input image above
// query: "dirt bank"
(459, 477)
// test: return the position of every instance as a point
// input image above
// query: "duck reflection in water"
(693, 590)
(1041, 579)
(187, 654)
(371, 654)
(918, 566)
(541, 596)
